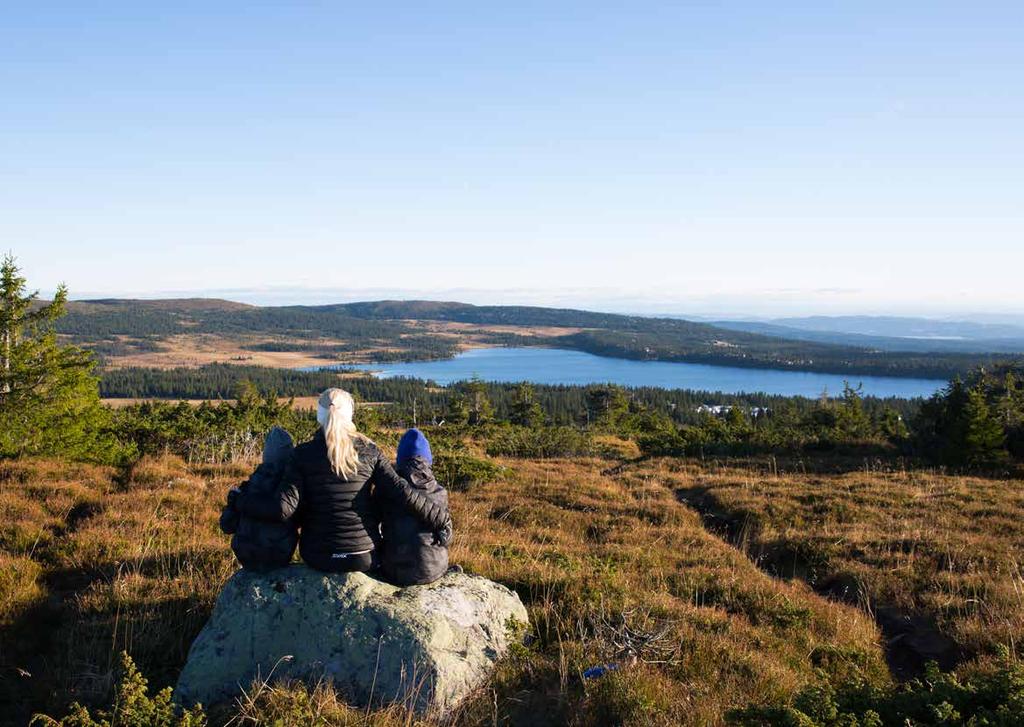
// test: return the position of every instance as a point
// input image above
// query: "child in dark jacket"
(412, 553)
(258, 545)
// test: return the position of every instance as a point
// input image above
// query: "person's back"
(412, 552)
(339, 518)
(261, 545)
(332, 489)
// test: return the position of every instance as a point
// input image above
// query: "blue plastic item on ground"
(595, 672)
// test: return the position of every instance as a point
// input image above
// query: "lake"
(560, 366)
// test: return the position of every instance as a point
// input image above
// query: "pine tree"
(852, 422)
(457, 411)
(738, 423)
(524, 410)
(892, 426)
(1010, 411)
(481, 410)
(983, 434)
(49, 397)
(606, 406)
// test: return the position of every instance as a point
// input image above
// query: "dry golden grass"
(95, 562)
(192, 349)
(298, 402)
(199, 349)
(576, 541)
(948, 547)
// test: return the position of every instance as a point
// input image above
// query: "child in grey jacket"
(259, 545)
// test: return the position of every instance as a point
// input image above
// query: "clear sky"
(757, 157)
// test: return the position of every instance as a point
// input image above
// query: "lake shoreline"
(571, 367)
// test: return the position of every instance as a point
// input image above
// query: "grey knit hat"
(278, 446)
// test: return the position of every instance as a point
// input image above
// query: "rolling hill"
(126, 332)
(833, 333)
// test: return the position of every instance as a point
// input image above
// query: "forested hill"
(397, 328)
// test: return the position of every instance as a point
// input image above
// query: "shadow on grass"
(63, 648)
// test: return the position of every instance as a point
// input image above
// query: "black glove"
(233, 494)
(444, 535)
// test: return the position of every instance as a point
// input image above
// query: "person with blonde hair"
(329, 491)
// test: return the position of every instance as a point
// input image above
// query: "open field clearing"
(201, 349)
(95, 561)
(190, 349)
(936, 558)
(299, 402)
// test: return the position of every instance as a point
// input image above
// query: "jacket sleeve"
(278, 505)
(229, 520)
(393, 487)
(229, 516)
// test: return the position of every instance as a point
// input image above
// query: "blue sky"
(682, 157)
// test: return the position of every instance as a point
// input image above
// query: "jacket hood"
(414, 444)
(278, 446)
(418, 472)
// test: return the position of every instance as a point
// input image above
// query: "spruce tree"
(607, 406)
(983, 434)
(1010, 412)
(525, 411)
(852, 422)
(457, 411)
(49, 397)
(481, 410)
(738, 423)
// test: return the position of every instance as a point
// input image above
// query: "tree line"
(112, 326)
(561, 404)
(50, 405)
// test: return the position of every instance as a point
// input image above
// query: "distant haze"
(703, 159)
(766, 305)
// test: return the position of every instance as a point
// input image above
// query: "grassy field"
(935, 558)
(276, 350)
(94, 561)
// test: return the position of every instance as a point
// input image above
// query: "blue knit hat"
(414, 444)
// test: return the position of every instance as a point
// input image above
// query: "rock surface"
(423, 646)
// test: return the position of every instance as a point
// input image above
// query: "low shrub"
(994, 697)
(540, 442)
(132, 707)
(458, 471)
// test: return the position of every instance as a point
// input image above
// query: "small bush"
(540, 442)
(992, 698)
(133, 707)
(459, 471)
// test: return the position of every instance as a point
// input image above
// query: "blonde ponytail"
(334, 413)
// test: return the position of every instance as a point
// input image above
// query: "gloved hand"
(233, 494)
(444, 535)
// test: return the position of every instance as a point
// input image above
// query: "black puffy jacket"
(338, 517)
(413, 552)
(260, 546)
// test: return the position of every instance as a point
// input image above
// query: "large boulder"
(423, 646)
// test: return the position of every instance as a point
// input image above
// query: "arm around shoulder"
(398, 490)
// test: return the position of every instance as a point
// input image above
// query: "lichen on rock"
(425, 647)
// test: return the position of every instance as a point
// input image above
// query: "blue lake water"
(559, 366)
